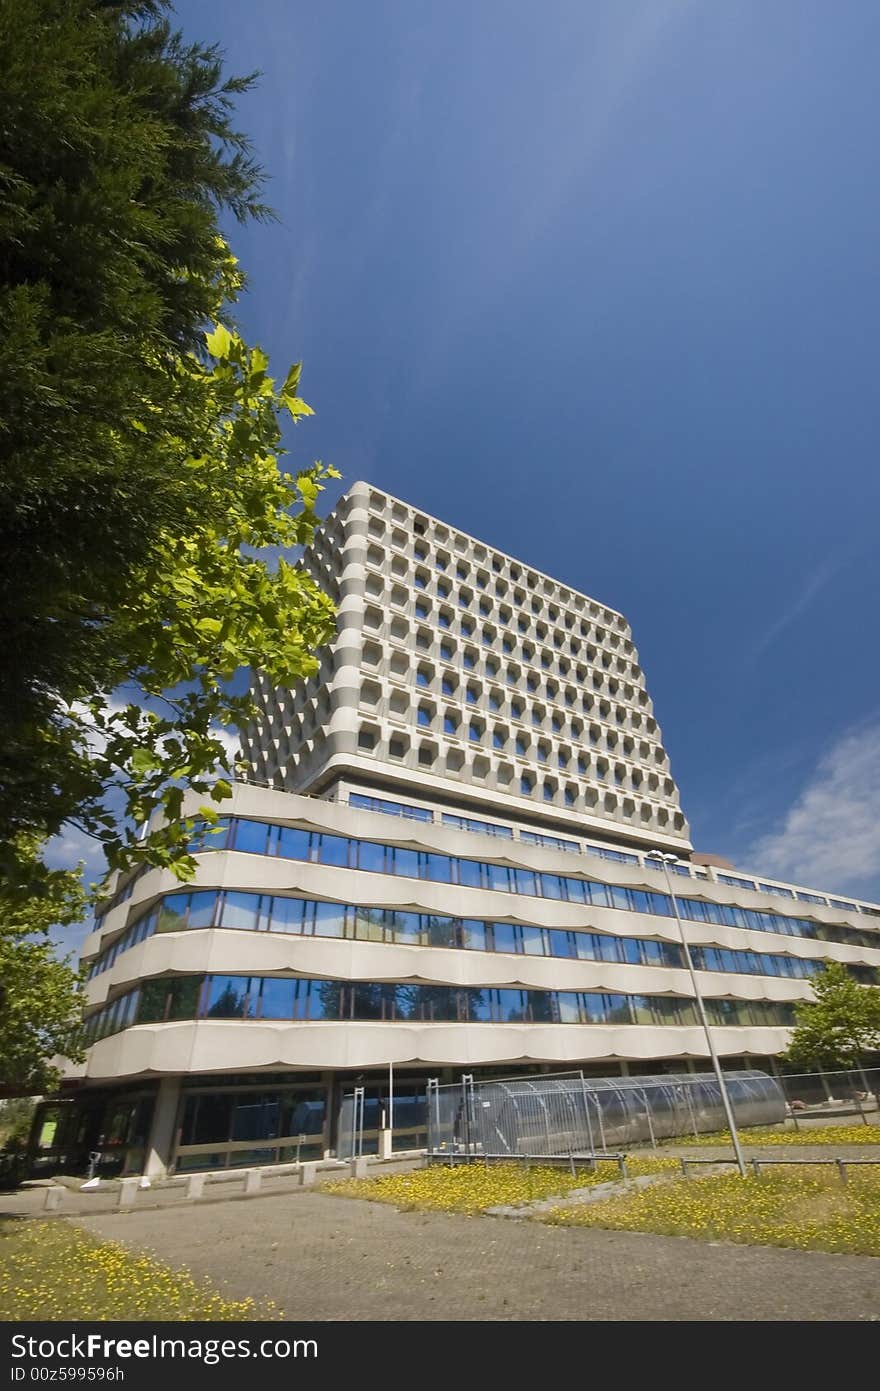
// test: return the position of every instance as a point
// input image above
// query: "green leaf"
(219, 342)
(291, 381)
(144, 761)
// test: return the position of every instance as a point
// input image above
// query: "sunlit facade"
(437, 866)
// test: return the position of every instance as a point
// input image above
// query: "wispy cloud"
(809, 591)
(70, 846)
(830, 837)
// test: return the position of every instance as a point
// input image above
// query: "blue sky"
(598, 282)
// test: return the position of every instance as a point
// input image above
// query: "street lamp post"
(667, 860)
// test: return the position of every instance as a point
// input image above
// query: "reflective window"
(241, 911)
(252, 837)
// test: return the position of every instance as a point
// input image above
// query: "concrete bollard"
(252, 1180)
(54, 1197)
(128, 1191)
(308, 1175)
(358, 1167)
(195, 1186)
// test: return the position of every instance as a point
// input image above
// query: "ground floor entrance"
(236, 1120)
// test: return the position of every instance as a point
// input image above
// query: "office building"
(437, 865)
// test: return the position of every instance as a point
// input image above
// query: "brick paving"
(326, 1258)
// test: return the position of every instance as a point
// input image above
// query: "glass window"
(592, 1007)
(562, 943)
(472, 934)
(499, 877)
(405, 862)
(552, 885)
(437, 867)
(153, 1001)
(568, 1007)
(512, 1005)
(172, 912)
(287, 914)
(505, 937)
(329, 919)
(370, 924)
(276, 999)
(627, 949)
(206, 1119)
(470, 873)
(337, 850)
(251, 836)
(533, 941)
(226, 997)
(441, 931)
(371, 857)
(320, 999)
(241, 911)
(201, 909)
(478, 1005)
(405, 927)
(293, 844)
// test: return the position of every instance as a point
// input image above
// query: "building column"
(161, 1141)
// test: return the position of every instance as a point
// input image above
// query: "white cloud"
(71, 845)
(229, 738)
(830, 838)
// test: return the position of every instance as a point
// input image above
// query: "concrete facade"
(462, 670)
(438, 866)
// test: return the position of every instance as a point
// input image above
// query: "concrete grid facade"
(401, 883)
(462, 670)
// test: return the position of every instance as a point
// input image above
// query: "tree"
(839, 1027)
(138, 458)
(40, 997)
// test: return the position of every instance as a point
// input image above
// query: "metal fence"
(821, 1098)
(560, 1116)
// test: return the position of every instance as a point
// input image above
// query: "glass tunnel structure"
(571, 1115)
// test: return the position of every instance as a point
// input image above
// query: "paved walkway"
(321, 1257)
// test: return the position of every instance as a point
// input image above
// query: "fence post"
(841, 1169)
(467, 1102)
(650, 1122)
(685, 1171)
(195, 1185)
(590, 1140)
(357, 1123)
(621, 1164)
(756, 1168)
(128, 1188)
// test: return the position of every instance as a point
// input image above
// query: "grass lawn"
(820, 1135)
(53, 1270)
(805, 1208)
(471, 1188)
